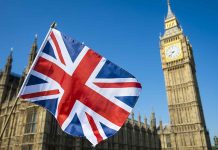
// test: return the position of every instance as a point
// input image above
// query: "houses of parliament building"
(33, 128)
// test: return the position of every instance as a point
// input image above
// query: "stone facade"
(33, 128)
(187, 124)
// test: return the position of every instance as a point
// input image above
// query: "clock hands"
(172, 53)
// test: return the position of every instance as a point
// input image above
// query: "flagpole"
(53, 25)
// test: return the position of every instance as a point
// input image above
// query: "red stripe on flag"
(38, 94)
(83, 93)
(57, 47)
(118, 85)
(94, 128)
(104, 107)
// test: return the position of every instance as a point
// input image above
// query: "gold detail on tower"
(170, 24)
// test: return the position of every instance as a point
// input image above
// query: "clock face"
(172, 52)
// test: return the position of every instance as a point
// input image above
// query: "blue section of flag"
(108, 131)
(75, 128)
(110, 70)
(129, 100)
(49, 50)
(50, 104)
(33, 80)
(73, 47)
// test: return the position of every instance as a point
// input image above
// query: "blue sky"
(127, 33)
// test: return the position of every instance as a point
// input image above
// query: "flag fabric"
(86, 93)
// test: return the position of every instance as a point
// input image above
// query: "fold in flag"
(87, 94)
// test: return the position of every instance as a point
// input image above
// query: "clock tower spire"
(170, 13)
(171, 22)
(187, 123)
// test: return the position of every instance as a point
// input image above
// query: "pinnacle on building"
(32, 54)
(170, 14)
(5, 76)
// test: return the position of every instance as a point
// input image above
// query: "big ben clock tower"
(186, 114)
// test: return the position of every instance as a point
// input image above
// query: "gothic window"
(1, 123)
(129, 134)
(51, 147)
(30, 126)
(53, 129)
(137, 137)
(7, 129)
(168, 141)
(27, 147)
(120, 134)
(14, 125)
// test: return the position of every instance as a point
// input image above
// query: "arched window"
(31, 118)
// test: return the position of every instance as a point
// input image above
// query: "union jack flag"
(87, 94)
